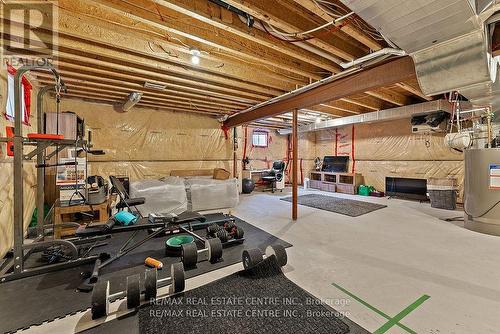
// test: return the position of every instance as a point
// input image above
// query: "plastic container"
(364, 190)
(443, 199)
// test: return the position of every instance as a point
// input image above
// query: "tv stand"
(346, 183)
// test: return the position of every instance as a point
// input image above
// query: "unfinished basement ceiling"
(248, 52)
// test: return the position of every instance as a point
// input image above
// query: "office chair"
(276, 176)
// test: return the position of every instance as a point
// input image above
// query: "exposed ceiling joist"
(390, 96)
(150, 13)
(286, 17)
(352, 31)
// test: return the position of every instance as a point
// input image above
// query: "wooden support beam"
(385, 74)
(349, 29)
(390, 96)
(150, 13)
(295, 164)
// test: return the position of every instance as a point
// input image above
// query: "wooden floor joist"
(388, 73)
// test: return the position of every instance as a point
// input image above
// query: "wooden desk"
(64, 213)
(254, 174)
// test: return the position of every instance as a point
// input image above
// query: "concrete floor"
(389, 258)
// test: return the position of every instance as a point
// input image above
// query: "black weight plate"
(251, 257)
(133, 291)
(178, 278)
(189, 254)
(239, 233)
(280, 253)
(100, 300)
(150, 284)
(214, 247)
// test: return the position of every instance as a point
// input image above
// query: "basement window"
(25, 97)
(260, 138)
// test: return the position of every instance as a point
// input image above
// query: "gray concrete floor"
(389, 258)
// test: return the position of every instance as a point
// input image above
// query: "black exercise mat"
(344, 206)
(261, 300)
(33, 300)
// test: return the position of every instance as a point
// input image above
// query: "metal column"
(295, 150)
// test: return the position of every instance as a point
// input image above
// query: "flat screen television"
(335, 164)
(406, 188)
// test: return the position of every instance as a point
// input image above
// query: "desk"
(63, 214)
(254, 174)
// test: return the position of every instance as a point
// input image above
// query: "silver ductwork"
(377, 116)
(449, 41)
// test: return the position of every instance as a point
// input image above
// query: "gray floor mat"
(33, 300)
(344, 206)
(261, 300)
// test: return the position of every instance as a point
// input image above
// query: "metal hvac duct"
(377, 116)
(447, 39)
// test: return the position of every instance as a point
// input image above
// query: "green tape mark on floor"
(373, 308)
(401, 315)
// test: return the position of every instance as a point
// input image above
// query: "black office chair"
(276, 174)
(125, 200)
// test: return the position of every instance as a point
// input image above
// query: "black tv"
(335, 164)
(406, 188)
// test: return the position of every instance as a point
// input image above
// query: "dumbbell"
(101, 297)
(190, 255)
(252, 257)
(224, 233)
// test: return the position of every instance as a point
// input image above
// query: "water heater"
(482, 190)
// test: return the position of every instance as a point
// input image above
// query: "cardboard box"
(221, 174)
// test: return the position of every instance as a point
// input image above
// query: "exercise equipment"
(226, 232)
(14, 268)
(252, 257)
(101, 296)
(173, 244)
(247, 186)
(191, 255)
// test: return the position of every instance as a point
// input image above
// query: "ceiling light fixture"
(195, 55)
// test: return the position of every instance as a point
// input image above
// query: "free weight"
(101, 296)
(190, 255)
(252, 257)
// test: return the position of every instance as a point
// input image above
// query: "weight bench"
(125, 200)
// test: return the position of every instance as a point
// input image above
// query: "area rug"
(344, 206)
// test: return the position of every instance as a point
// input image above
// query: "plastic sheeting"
(208, 194)
(167, 196)
(390, 149)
